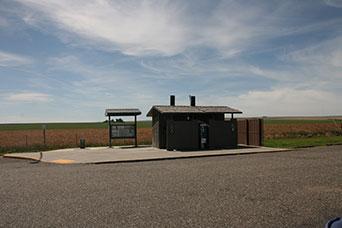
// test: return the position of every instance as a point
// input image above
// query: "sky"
(69, 60)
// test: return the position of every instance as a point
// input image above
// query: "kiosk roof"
(123, 112)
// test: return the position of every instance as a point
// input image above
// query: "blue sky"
(63, 60)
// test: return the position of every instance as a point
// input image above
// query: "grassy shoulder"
(303, 142)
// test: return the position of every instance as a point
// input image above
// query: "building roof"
(192, 109)
(122, 112)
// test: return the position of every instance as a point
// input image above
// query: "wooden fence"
(251, 131)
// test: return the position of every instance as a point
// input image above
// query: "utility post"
(110, 132)
(44, 134)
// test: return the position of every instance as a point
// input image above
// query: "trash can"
(82, 143)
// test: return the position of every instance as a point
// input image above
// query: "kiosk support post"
(135, 129)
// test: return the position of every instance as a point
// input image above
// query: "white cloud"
(11, 59)
(283, 102)
(69, 63)
(328, 52)
(161, 27)
(336, 59)
(288, 101)
(3, 22)
(334, 3)
(28, 97)
(134, 27)
(319, 63)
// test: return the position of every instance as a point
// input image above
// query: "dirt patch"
(66, 137)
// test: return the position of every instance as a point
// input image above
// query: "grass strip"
(302, 121)
(303, 142)
(39, 126)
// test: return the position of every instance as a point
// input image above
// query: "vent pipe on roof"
(192, 100)
(172, 100)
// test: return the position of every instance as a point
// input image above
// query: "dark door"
(204, 136)
(182, 135)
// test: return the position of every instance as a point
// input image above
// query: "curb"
(17, 157)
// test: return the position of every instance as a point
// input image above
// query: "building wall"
(155, 129)
(162, 131)
(155, 134)
(158, 130)
(181, 131)
(182, 135)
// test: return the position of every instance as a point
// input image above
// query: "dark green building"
(192, 127)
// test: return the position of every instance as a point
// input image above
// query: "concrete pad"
(116, 154)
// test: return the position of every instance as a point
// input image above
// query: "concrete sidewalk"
(99, 155)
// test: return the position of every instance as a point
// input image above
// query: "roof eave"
(155, 108)
(149, 114)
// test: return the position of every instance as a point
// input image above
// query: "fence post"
(261, 132)
(26, 141)
(44, 134)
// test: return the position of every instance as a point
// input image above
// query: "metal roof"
(192, 109)
(122, 112)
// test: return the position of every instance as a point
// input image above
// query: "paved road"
(288, 189)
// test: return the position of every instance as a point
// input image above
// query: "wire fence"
(33, 140)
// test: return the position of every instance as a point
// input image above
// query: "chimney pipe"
(172, 100)
(192, 100)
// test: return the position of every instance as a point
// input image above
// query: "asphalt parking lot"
(288, 189)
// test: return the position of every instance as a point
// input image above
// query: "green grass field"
(37, 126)
(298, 142)
(301, 121)
(303, 142)
(275, 121)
